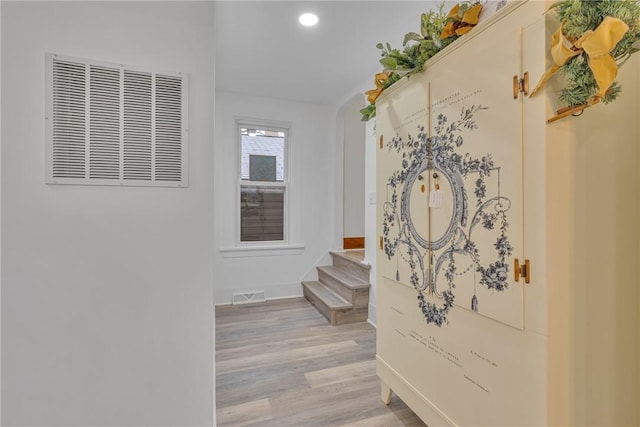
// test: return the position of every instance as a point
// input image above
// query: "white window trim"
(50, 179)
(262, 250)
(279, 247)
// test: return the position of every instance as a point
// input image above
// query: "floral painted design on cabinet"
(450, 172)
(437, 260)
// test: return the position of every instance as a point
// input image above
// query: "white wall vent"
(111, 124)
(248, 297)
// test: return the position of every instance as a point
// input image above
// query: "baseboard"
(280, 291)
(372, 315)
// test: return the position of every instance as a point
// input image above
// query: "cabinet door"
(401, 129)
(450, 181)
(476, 159)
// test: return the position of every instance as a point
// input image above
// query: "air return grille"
(68, 124)
(248, 297)
(111, 124)
(168, 129)
(138, 126)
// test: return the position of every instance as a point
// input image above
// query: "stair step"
(335, 308)
(351, 259)
(330, 298)
(344, 277)
(358, 268)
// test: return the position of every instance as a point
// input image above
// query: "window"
(263, 183)
(111, 124)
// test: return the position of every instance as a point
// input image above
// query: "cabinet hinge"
(521, 85)
(522, 270)
(381, 244)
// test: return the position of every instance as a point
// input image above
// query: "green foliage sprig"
(417, 49)
(580, 16)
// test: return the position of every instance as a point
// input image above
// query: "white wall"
(370, 234)
(354, 165)
(107, 314)
(0, 218)
(312, 199)
(367, 205)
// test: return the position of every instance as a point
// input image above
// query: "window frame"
(268, 125)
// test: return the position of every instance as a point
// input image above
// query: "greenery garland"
(580, 16)
(418, 48)
(577, 16)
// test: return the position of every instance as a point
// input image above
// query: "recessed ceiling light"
(308, 19)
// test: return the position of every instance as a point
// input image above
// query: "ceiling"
(262, 49)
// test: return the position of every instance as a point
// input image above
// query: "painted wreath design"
(441, 153)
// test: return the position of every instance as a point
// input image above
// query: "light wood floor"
(281, 364)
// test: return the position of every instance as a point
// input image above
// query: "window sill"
(265, 250)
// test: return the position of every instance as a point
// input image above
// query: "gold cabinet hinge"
(521, 85)
(522, 270)
(381, 141)
(381, 244)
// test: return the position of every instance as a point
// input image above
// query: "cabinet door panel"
(476, 152)
(401, 128)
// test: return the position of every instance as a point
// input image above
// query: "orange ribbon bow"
(459, 25)
(597, 44)
(379, 81)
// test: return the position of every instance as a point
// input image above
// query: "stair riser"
(357, 297)
(320, 306)
(353, 268)
(361, 299)
(351, 316)
(336, 317)
(336, 286)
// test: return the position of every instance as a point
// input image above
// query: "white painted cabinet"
(470, 178)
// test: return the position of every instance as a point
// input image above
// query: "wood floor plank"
(402, 417)
(244, 325)
(342, 373)
(270, 381)
(324, 350)
(284, 344)
(245, 413)
(281, 364)
(287, 328)
(333, 405)
(260, 333)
